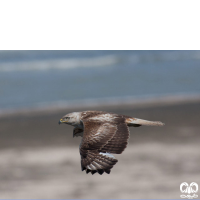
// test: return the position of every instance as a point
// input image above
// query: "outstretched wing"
(101, 138)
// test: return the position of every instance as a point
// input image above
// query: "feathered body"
(103, 134)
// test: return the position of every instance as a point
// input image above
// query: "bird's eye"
(67, 118)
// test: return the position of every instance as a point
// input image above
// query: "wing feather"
(101, 138)
(97, 134)
(119, 141)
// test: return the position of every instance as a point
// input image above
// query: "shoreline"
(105, 103)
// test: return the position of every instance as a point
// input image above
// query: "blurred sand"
(39, 159)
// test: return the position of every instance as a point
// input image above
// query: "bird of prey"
(103, 134)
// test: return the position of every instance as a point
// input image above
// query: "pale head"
(71, 119)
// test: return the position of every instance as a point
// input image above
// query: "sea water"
(36, 79)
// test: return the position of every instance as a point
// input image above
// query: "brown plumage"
(103, 133)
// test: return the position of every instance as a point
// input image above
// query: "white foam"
(61, 64)
(98, 61)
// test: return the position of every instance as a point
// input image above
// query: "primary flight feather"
(103, 134)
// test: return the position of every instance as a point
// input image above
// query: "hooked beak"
(61, 121)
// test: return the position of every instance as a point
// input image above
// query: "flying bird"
(103, 134)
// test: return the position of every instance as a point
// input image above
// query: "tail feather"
(138, 122)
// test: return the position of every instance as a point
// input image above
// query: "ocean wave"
(131, 58)
(61, 64)
(164, 56)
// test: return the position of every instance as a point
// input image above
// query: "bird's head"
(71, 119)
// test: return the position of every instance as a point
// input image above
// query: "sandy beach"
(40, 159)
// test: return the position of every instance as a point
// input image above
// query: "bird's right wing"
(96, 136)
